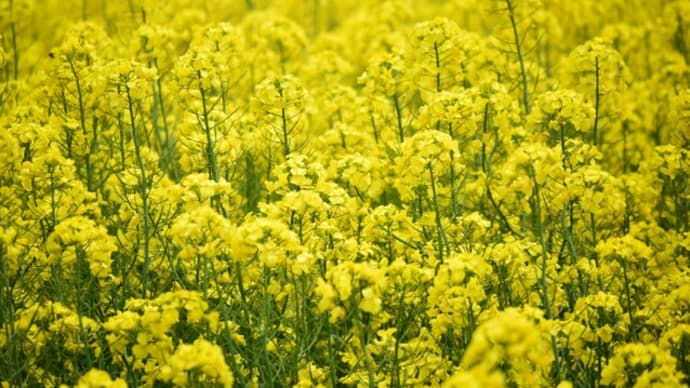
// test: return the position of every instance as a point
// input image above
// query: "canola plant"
(320, 193)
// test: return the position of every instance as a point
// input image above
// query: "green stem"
(518, 50)
(438, 67)
(367, 356)
(439, 225)
(597, 101)
(331, 359)
(563, 150)
(82, 122)
(373, 125)
(15, 51)
(284, 124)
(398, 116)
(168, 146)
(593, 223)
(402, 326)
(286, 139)
(628, 303)
(453, 195)
(536, 210)
(143, 192)
(210, 149)
(8, 318)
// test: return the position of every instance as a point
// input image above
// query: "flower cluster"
(345, 193)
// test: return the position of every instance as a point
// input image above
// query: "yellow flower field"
(364, 193)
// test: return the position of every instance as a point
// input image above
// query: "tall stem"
(143, 192)
(536, 210)
(518, 51)
(210, 149)
(398, 115)
(82, 123)
(439, 225)
(597, 98)
(438, 67)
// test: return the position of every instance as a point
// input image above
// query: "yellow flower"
(80, 238)
(626, 248)
(202, 356)
(511, 338)
(562, 110)
(371, 302)
(475, 378)
(96, 378)
(342, 281)
(644, 365)
(327, 295)
(311, 375)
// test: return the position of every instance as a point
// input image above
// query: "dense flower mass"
(357, 193)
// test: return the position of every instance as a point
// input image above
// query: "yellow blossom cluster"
(365, 193)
